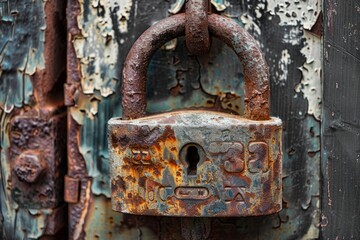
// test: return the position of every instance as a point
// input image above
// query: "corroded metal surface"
(237, 171)
(29, 166)
(142, 180)
(196, 26)
(256, 75)
(77, 170)
(71, 192)
(36, 151)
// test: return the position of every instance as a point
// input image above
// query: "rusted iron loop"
(196, 27)
(256, 74)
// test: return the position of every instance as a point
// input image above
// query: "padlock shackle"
(256, 73)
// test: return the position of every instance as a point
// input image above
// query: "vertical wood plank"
(341, 124)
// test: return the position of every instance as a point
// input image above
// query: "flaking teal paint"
(22, 29)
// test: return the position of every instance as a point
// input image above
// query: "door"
(41, 53)
(103, 34)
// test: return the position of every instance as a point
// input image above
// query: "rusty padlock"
(196, 163)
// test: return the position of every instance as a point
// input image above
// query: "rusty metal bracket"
(37, 154)
(197, 36)
(71, 191)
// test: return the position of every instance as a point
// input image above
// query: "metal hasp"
(37, 160)
(196, 163)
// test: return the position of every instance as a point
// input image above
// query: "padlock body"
(195, 164)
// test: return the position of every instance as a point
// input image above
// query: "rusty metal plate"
(195, 163)
(37, 155)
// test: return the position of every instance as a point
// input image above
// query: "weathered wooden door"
(61, 66)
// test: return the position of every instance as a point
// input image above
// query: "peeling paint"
(220, 5)
(122, 9)
(97, 47)
(292, 36)
(305, 15)
(283, 64)
(310, 84)
(293, 12)
(86, 106)
(21, 50)
(249, 23)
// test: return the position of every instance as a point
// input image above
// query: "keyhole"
(192, 158)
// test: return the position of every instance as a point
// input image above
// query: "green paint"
(21, 49)
(21, 54)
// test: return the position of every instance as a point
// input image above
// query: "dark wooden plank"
(341, 124)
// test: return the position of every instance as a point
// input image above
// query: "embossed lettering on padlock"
(196, 163)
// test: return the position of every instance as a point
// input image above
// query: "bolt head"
(29, 166)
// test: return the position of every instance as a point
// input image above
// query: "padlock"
(196, 163)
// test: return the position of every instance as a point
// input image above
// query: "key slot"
(192, 155)
(192, 158)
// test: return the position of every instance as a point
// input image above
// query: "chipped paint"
(310, 84)
(249, 24)
(291, 13)
(86, 106)
(97, 46)
(220, 5)
(22, 50)
(282, 75)
(292, 37)
(295, 13)
(122, 9)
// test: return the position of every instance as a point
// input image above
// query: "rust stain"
(72, 187)
(196, 26)
(47, 80)
(152, 175)
(317, 28)
(85, 203)
(76, 163)
(37, 156)
(29, 166)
